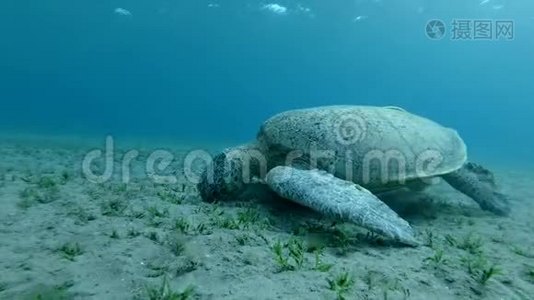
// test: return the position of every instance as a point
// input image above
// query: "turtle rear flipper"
(341, 199)
(478, 183)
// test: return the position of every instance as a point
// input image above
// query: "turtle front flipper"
(479, 184)
(341, 199)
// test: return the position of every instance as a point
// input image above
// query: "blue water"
(188, 70)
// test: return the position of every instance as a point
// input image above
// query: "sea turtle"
(335, 159)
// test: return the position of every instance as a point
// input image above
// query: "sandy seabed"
(64, 237)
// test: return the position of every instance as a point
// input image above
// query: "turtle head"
(230, 171)
(220, 179)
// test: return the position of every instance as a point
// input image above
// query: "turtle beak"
(500, 204)
(207, 191)
(211, 186)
